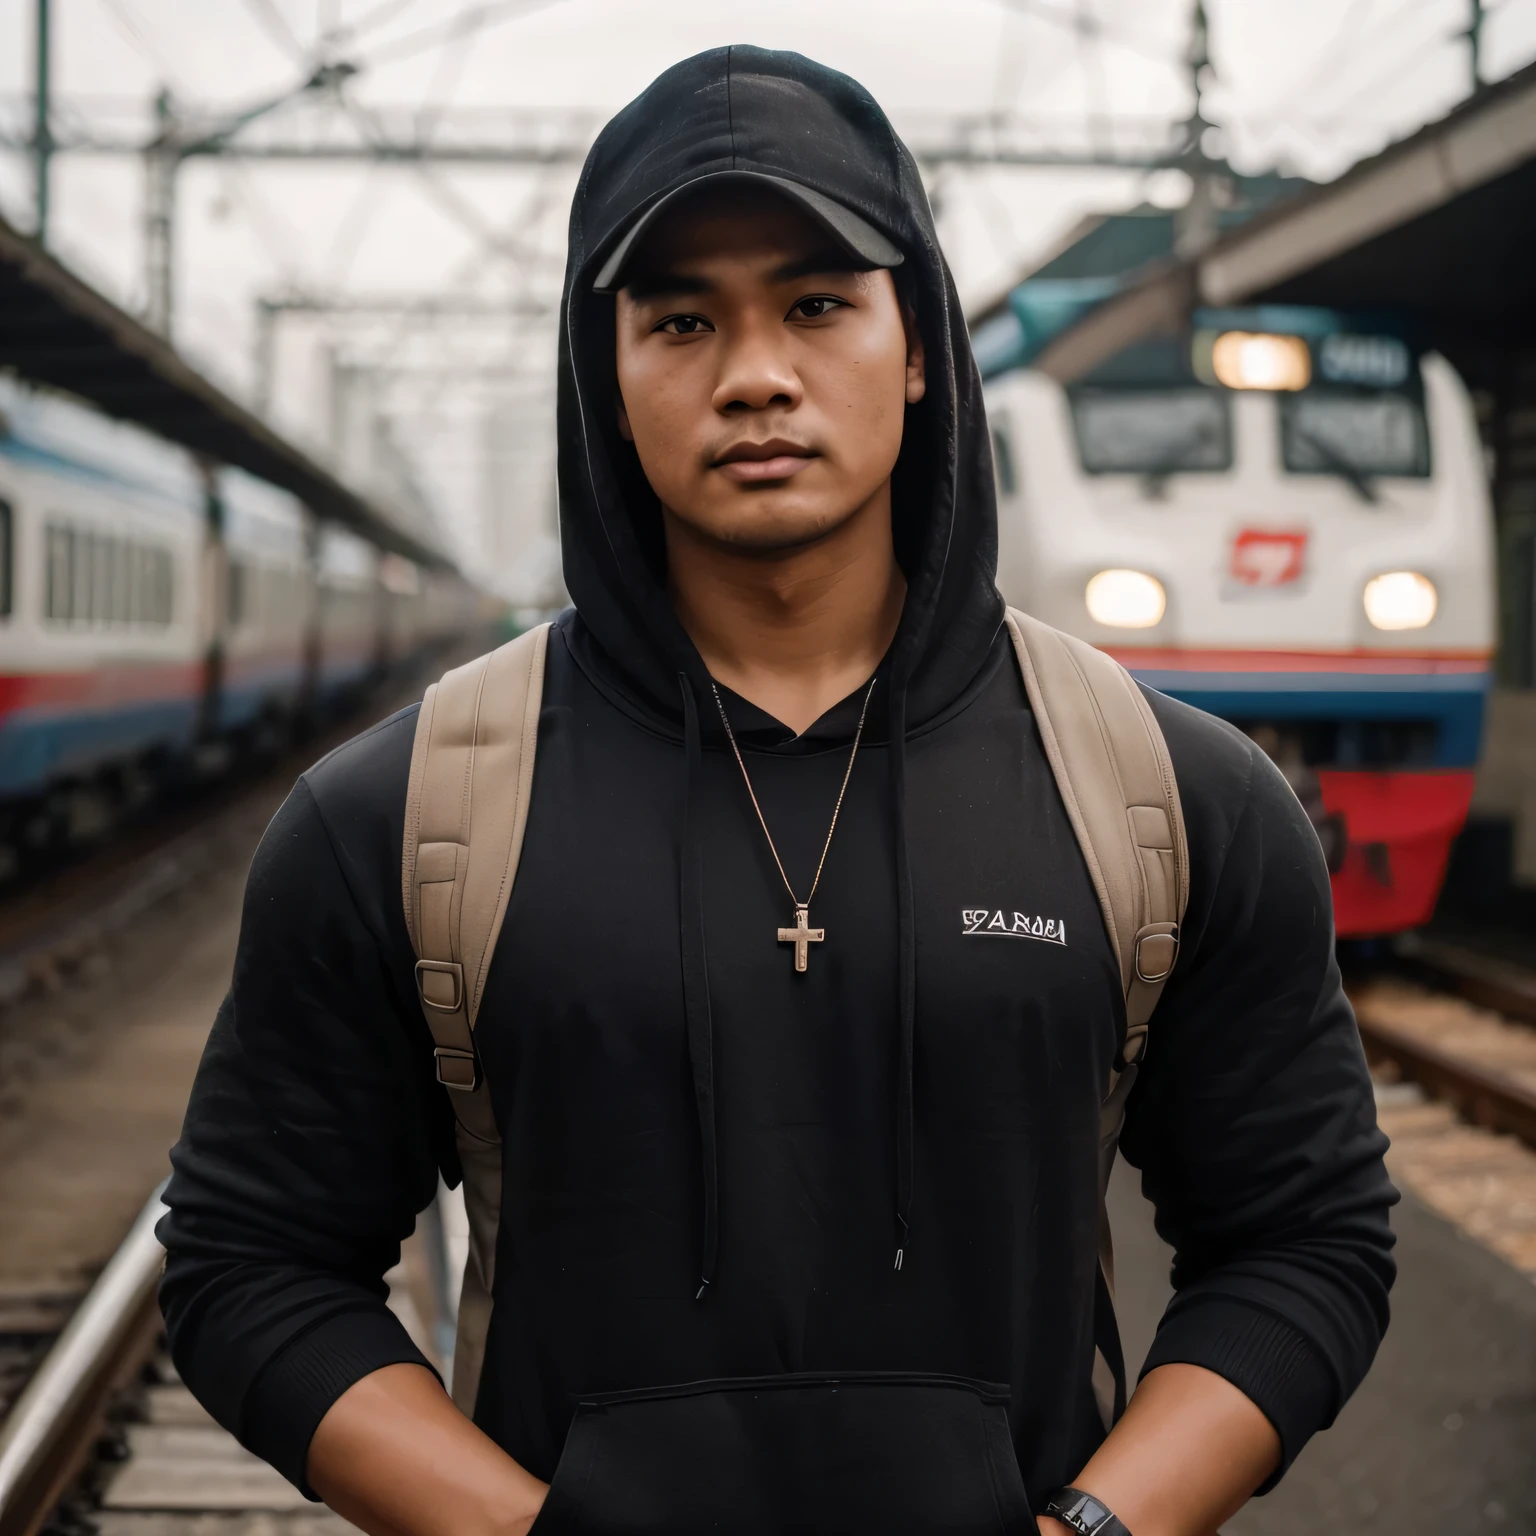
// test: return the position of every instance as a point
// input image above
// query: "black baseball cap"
(851, 231)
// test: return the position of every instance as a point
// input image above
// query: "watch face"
(1092, 1513)
(1080, 1510)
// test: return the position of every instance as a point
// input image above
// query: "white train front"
(1281, 516)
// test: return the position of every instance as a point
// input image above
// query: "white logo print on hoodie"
(985, 922)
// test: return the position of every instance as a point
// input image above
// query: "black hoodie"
(783, 1251)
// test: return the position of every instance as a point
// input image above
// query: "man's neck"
(794, 631)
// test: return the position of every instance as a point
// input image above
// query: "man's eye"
(817, 305)
(684, 325)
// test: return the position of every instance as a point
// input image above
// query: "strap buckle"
(456, 1069)
(433, 995)
(1157, 947)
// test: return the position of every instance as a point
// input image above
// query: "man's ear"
(625, 430)
(917, 377)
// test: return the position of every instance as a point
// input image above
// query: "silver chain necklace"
(802, 935)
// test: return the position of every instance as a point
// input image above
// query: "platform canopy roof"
(1442, 223)
(56, 329)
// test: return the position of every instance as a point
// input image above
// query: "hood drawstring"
(696, 1011)
(906, 967)
(696, 1015)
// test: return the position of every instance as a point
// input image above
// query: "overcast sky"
(1305, 85)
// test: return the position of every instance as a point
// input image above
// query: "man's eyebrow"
(827, 262)
(645, 286)
(654, 285)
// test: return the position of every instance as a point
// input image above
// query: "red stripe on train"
(100, 688)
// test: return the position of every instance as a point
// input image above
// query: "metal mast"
(42, 129)
(1474, 37)
(1196, 224)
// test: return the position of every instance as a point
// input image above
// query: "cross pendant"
(802, 936)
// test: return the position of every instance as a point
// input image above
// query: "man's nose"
(756, 371)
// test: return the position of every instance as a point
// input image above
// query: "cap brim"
(854, 233)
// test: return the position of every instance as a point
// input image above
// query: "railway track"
(1467, 1056)
(102, 1439)
(1495, 983)
(58, 1416)
(1456, 1093)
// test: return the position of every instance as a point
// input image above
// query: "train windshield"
(1354, 432)
(1150, 431)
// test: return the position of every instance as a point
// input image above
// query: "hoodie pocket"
(876, 1452)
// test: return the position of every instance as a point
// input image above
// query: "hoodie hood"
(744, 109)
(776, 114)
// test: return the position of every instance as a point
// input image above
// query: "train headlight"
(1254, 360)
(1400, 600)
(1126, 599)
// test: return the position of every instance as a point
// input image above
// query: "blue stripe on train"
(242, 701)
(38, 748)
(1453, 701)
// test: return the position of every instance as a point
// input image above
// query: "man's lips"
(776, 459)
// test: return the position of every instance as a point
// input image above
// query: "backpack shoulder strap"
(1112, 767)
(465, 814)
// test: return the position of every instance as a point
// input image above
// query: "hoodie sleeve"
(310, 1143)
(1253, 1121)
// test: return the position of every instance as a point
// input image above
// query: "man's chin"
(767, 533)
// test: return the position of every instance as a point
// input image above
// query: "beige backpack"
(477, 734)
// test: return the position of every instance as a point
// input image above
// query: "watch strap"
(1083, 1513)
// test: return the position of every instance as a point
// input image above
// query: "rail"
(1481, 1092)
(47, 1437)
(1452, 1023)
(1482, 978)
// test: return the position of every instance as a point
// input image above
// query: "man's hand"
(1187, 1455)
(396, 1458)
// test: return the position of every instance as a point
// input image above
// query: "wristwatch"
(1083, 1513)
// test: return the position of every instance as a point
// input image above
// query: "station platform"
(1440, 1436)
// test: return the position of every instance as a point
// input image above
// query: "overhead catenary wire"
(407, 323)
(447, 71)
(1069, 16)
(1095, 88)
(1398, 70)
(470, 18)
(438, 95)
(448, 198)
(275, 25)
(276, 235)
(1338, 59)
(436, 98)
(366, 204)
(380, 16)
(1332, 55)
(132, 28)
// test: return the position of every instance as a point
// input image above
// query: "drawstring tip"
(899, 1253)
(698, 1295)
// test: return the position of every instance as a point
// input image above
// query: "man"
(775, 1217)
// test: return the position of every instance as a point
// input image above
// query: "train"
(1280, 515)
(162, 617)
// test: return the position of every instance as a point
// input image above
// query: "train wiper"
(1154, 478)
(1340, 464)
